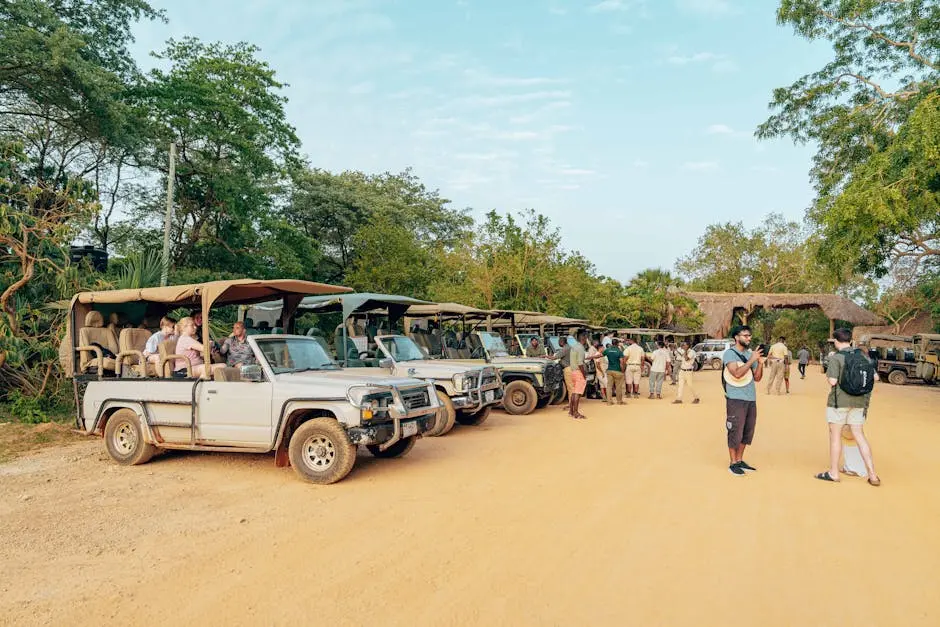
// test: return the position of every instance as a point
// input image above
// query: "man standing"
(564, 358)
(851, 377)
(787, 364)
(686, 367)
(235, 348)
(533, 349)
(803, 357)
(615, 366)
(742, 368)
(776, 359)
(577, 356)
(675, 354)
(634, 357)
(658, 369)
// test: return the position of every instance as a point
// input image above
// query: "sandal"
(580, 417)
(851, 473)
(874, 482)
(824, 476)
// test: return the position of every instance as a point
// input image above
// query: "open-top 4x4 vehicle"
(903, 359)
(530, 382)
(293, 400)
(465, 391)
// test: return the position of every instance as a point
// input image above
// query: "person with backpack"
(742, 370)
(851, 376)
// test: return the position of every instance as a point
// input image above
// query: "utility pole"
(171, 180)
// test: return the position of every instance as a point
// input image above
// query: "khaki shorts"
(633, 375)
(845, 415)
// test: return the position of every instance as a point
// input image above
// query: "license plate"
(488, 396)
(409, 429)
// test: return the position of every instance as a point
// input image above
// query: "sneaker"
(659, 397)
(746, 466)
(736, 470)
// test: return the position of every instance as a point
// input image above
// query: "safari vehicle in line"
(294, 401)
(530, 383)
(903, 359)
(364, 341)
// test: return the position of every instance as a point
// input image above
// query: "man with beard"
(742, 369)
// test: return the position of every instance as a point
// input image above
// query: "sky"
(629, 123)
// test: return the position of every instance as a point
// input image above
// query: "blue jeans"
(656, 382)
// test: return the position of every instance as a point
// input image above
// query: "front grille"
(490, 380)
(553, 375)
(415, 399)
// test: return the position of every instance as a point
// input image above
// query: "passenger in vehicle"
(235, 348)
(167, 332)
(190, 347)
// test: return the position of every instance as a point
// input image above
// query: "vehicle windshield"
(555, 346)
(402, 348)
(294, 354)
(493, 344)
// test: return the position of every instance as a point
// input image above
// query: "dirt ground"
(628, 518)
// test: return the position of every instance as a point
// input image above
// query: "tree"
(332, 208)
(864, 109)
(221, 106)
(777, 256)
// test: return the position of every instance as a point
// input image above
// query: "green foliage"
(140, 269)
(872, 112)
(777, 256)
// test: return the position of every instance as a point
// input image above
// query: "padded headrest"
(117, 319)
(94, 319)
(134, 339)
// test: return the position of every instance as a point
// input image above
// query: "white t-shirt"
(661, 357)
(688, 360)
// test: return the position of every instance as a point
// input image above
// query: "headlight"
(464, 380)
(370, 400)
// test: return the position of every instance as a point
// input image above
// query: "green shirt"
(613, 355)
(838, 398)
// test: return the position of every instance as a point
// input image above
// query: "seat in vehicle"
(132, 343)
(168, 357)
(95, 334)
(227, 374)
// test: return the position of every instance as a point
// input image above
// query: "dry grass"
(17, 438)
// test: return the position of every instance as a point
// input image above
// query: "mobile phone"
(764, 349)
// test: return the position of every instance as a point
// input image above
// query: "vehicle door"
(236, 412)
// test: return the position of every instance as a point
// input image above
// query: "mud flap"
(281, 457)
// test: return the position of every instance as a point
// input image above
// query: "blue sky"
(628, 122)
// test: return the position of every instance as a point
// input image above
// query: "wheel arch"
(111, 407)
(292, 417)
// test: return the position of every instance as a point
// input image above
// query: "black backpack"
(858, 375)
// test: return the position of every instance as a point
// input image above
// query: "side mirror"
(252, 372)
(387, 363)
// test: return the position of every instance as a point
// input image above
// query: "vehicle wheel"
(124, 439)
(446, 417)
(398, 449)
(897, 377)
(320, 452)
(475, 419)
(716, 363)
(519, 398)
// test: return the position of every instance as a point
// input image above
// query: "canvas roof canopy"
(349, 304)
(446, 309)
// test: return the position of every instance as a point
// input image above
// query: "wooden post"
(832, 327)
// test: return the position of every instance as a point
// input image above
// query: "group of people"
(850, 375)
(233, 352)
(619, 368)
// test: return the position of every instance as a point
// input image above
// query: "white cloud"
(720, 63)
(478, 77)
(700, 166)
(517, 136)
(719, 129)
(607, 6)
(509, 99)
(576, 172)
(766, 169)
(706, 7)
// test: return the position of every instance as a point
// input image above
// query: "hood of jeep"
(520, 363)
(347, 378)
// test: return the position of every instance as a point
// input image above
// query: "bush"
(27, 409)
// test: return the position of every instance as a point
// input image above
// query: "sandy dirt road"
(628, 518)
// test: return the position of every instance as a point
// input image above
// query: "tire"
(476, 418)
(320, 452)
(519, 398)
(124, 439)
(398, 449)
(446, 417)
(561, 394)
(897, 377)
(716, 363)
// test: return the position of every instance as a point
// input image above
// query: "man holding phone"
(742, 370)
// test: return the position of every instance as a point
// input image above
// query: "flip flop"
(851, 473)
(824, 476)
(875, 482)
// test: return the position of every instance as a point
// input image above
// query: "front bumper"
(387, 433)
(479, 396)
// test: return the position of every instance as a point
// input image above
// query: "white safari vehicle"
(294, 400)
(466, 391)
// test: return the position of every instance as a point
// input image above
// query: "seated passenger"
(167, 332)
(235, 348)
(190, 347)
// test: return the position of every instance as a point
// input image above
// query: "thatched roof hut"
(719, 307)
